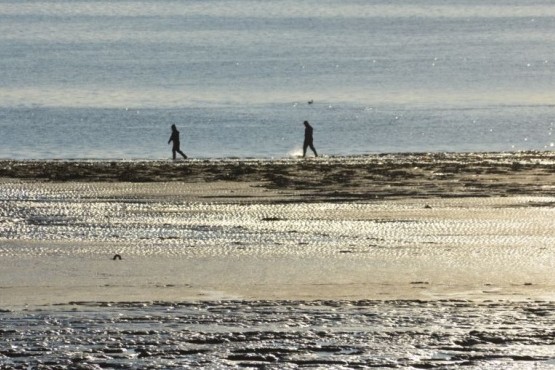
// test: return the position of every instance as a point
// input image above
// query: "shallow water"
(104, 79)
(281, 335)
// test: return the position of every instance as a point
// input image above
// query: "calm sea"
(106, 79)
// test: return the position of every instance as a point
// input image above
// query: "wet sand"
(381, 176)
(405, 226)
(282, 335)
(423, 260)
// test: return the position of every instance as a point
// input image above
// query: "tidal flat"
(399, 260)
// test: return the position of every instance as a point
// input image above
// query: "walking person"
(308, 139)
(175, 138)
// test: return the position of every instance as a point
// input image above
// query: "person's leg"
(313, 149)
(183, 154)
(305, 146)
(173, 152)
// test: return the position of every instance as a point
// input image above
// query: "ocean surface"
(106, 79)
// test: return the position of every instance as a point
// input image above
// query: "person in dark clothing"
(308, 139)
(175, 138)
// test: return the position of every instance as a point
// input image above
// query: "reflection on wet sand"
(282, 335)
(416, 260)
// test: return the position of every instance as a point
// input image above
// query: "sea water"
(106, 79)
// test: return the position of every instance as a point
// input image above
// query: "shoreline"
(351, 178)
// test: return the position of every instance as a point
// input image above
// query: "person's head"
(305, 123)
(174, 128)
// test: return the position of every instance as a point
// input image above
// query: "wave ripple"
(281, 334)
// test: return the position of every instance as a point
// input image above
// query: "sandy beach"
(488, 211)
(384, 230)
(386, 226)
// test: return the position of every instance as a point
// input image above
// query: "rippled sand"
(282, 335)
(61, 238)
(432, 228)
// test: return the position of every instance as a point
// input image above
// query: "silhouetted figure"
(308, 139)
(175, 138)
